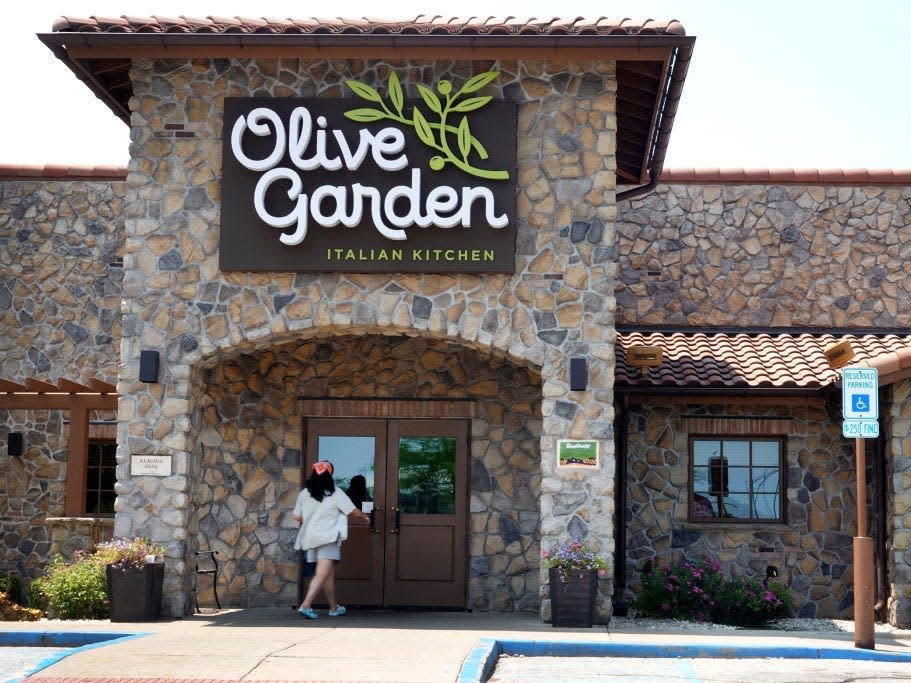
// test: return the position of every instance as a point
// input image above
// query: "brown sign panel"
(306, 188)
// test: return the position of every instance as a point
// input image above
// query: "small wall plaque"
(150, 465)
(572, 453)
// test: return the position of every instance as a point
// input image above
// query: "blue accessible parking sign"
(860, 402)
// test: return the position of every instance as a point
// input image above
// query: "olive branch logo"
(435, 135)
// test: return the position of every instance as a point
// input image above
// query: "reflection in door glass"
(352, 460)
(427, 475)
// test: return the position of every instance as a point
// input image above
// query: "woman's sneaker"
(338, 611)
(308, 612)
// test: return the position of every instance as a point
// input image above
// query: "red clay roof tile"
(419, 24)
(786, 176)
(755, 361)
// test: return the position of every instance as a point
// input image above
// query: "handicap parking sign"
(860, 393)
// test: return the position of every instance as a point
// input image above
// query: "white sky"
(772, 84)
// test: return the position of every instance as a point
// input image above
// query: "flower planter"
(572, 601)
(135, 593)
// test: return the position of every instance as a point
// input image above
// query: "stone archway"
(247, 433)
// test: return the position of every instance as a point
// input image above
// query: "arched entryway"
(253, 413)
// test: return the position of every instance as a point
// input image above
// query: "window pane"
(352, 462)
(704, 505)
(701, 478)
(766, 506)
(736, 506)
(703, 450)
(737, 452)
(765, 480)
(765, 453)
(427, 475)
(739, 479)
(100, 477)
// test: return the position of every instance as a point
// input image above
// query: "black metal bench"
(207, 563)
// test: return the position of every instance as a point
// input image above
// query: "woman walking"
(322, 512)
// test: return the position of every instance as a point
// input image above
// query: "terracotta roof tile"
(786, 176)
(419, 24)
(58, 171)
(733, 361)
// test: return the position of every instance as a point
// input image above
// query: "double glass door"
(411, 477)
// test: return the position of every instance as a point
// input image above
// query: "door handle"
(373, 529)
(396, 518)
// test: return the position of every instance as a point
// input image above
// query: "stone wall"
(60, 280)
(250, 437)
(750, 255)
(898, 528)
(812, 551)
(558, 304)
(61, 251)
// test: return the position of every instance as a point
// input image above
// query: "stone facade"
(558, 304)
(812, 550)
(685, 255)
(250, 441)
(761, 256)
(61, 247)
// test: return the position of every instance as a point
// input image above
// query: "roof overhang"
(651, 63)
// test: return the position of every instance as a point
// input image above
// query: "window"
(101, 474)
(736, 479)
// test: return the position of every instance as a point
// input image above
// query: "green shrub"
(73, 590)
(697, 591)
(749, 603)
(12, 586)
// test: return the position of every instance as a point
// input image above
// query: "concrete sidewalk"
(277, 644)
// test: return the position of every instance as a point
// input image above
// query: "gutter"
(679, 65)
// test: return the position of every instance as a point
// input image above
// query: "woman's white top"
(324, 521)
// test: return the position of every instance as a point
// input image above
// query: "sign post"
(860, 407)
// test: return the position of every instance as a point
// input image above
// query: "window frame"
(750, 439)
(89, 486)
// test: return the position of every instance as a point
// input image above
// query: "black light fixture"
(578, 374)
(15, 444)
(148, 366)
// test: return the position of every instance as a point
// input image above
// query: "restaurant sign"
(371, 183)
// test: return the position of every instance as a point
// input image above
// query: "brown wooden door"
(414, 553)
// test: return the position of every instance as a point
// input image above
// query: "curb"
(73, 641)
(482, 660)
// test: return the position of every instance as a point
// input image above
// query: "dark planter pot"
(135, 594)
(572, 602)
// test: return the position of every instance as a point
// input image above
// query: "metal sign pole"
(863, 560)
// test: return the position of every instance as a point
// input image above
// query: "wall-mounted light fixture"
(148, 366)
(578, 374)
(839, 354)
(644, 356)
(15, 444)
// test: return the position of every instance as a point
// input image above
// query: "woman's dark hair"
(320, 485)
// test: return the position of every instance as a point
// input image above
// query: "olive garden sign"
(373, 184)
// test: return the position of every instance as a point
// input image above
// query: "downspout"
(619, 606)
(680, 63)
(879, 531)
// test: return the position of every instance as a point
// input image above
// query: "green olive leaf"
(365, 91)
(471, 103)
(396, 96)
(430, 98)
(422, 127)
(475, 83)
(364, 115)
(464, 137)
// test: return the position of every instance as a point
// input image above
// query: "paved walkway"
(273, 644)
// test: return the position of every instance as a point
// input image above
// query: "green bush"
(697, 591)
(12, 586)
(72, 590)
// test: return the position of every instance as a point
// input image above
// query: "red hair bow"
(322, 466)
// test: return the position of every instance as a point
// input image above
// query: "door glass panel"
(352, 460)
(427, 475)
